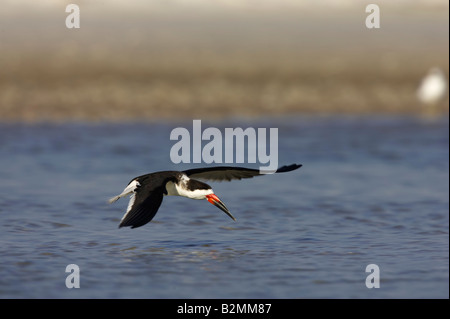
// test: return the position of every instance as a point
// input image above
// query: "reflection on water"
(130, 254)
(372, 190)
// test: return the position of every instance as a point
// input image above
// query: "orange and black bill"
(213, 199)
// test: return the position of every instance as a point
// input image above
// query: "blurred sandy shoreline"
(214, 64)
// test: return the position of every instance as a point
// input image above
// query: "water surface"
(373, 190)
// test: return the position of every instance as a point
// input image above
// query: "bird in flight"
(147, 191)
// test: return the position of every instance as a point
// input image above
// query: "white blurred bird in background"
(433, 87)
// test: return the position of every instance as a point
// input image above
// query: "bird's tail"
(113, 199)
(128, 190)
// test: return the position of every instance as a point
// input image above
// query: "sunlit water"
(371, 191)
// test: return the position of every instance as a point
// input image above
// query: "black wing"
(228, 173)
(144, 203)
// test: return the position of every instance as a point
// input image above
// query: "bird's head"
(198, 190)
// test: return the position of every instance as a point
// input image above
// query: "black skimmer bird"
(147, 191)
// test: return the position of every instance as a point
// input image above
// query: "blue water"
(373, 190)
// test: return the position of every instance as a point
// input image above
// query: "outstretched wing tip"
(228, 173)
(288, 168)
